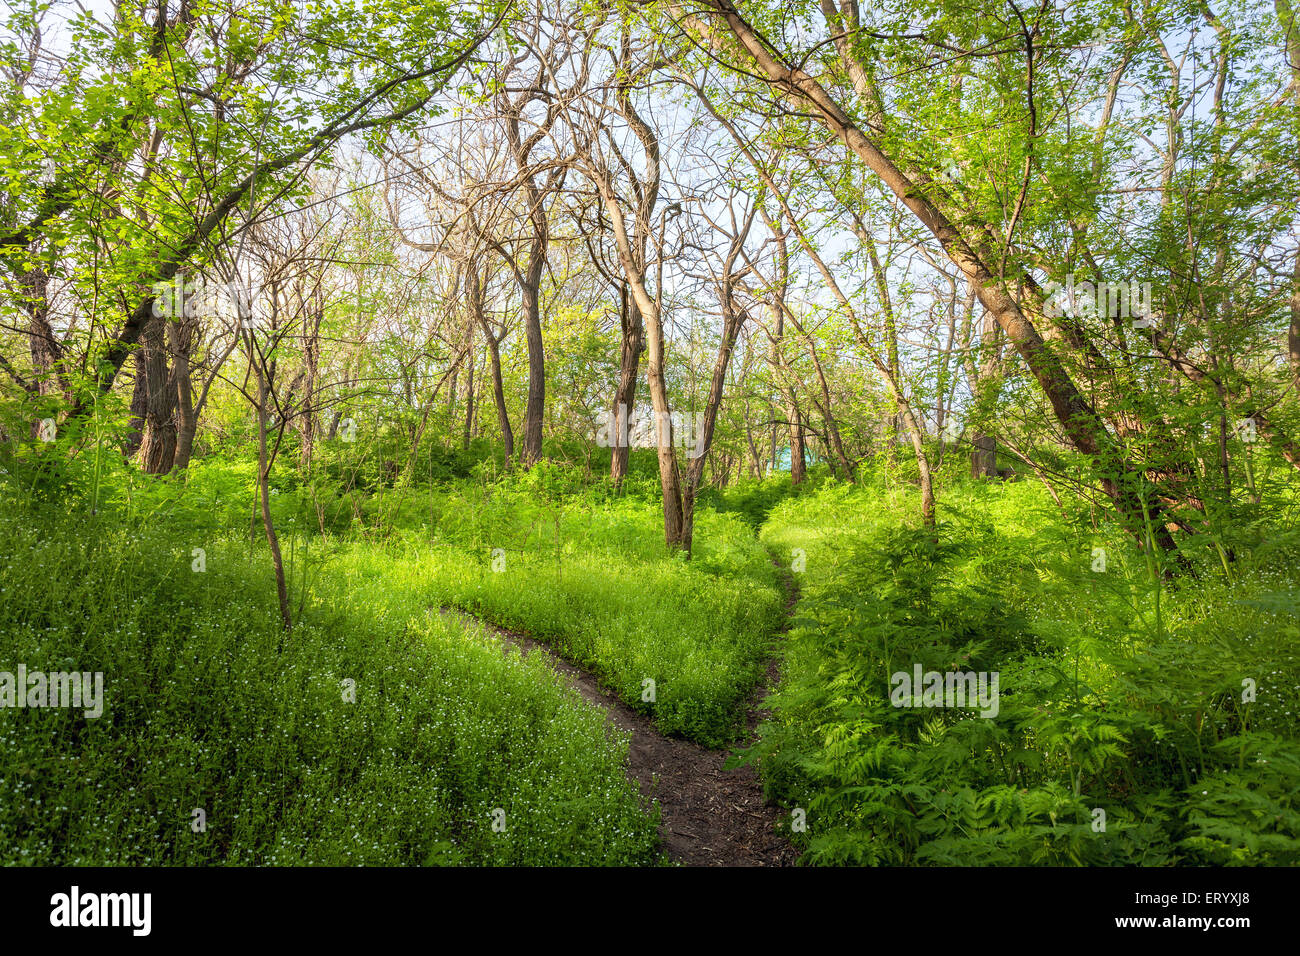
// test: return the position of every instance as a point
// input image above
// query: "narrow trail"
(710, 816)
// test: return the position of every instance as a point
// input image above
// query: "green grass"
(1105, 705)
(209, 706)
(593, 580)
(581, 569)
(1120, 691)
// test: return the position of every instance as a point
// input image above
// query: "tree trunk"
(139, 404)
(494, 360)
(734, 318)
(309, 420)
(984, 458)
(530, 279)
(913, 428)
(469, 394)
(669, 481)
(798, 466)
(535, 409)
(46, 349)
(633, 344)
(264, 485)
(181, 335)
(158, 446)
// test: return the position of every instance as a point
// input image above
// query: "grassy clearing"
(208, 707)
(592, 579)
(542, 552)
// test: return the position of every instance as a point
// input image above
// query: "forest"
(640, 433)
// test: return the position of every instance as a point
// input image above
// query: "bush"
(1121, 736)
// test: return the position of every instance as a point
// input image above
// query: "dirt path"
(710, 816)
